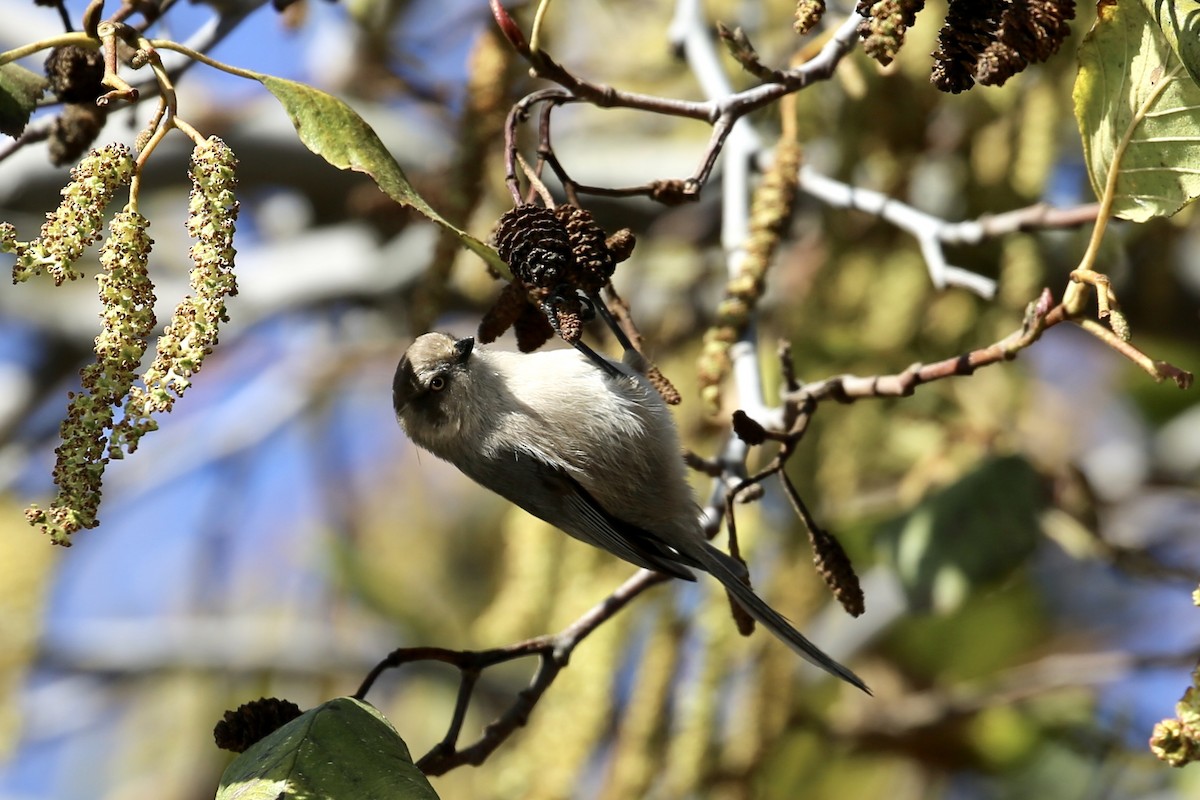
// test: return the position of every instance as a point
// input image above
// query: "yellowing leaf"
(1179, 21)
(335, 132)
(1139, 115)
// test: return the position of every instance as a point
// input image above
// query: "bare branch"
(722, 110)
(553, 652)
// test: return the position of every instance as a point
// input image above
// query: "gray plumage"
(593, 453)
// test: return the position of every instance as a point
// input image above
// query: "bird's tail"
(730, 573)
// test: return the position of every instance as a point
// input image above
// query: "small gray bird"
(592, 451)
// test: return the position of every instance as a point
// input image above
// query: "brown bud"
(621, 244)
(672, 192)
(570, 323)
(748, 429)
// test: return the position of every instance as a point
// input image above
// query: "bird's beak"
(463, 348)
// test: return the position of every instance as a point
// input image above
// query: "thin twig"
(553, 652)
(720, 112)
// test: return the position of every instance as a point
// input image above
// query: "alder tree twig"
(553, 652)
(719, 112)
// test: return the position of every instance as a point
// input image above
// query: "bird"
(591, 449)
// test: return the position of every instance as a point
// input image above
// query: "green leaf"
(971, 533)
(335, 132)
(1139, 115)
(342, 750)
(20, 89)
(1181, 29)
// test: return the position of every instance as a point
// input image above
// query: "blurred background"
(1026, 535)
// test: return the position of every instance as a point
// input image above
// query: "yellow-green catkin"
(127, 298)
(770, 212)
(195, 325)
(808, 15)
(1177, 741)
(77, 221)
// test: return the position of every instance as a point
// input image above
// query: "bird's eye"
(437, 383)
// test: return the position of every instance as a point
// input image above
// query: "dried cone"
(553, 254)
(971, 25)
(593, 261)
(620, 245)
(1030, 31)
(253, 721)
(535, 245)
(75, 73)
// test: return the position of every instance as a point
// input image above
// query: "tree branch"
(553, 652)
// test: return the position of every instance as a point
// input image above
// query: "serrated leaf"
(20, 90)
(1138, 114)
(971, 533)
(342, 750)
(335, 132)
(1180, 24)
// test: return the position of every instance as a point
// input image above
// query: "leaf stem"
(1073, 296)
(78, 39)
(167, 44)
(535, 35)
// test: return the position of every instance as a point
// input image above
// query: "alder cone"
(252, 722)
(75, 73)
(535, 244)
(589, 247)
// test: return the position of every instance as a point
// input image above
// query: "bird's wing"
(550, 493)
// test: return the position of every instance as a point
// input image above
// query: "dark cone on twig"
(620, 244)
(75, 73)
(554, 254)
(1030, 32)
(534, 243)
(253, 721)
(594, 262)
(971, 25)
(537, 247)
